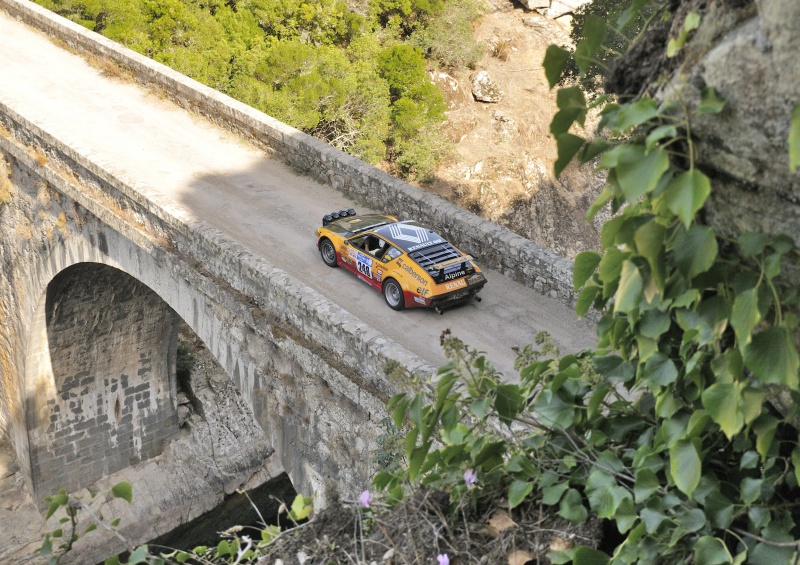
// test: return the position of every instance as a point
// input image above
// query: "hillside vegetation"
(353, 76)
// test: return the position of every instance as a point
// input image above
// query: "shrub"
(448, 37)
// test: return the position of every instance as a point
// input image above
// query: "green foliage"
(355, 80)
(326, 22)
(71, 507)
(601, 31)
(448, 38)
(404, 16)
(672, 428)
(794, 139)
(233, 549)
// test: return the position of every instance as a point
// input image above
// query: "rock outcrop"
(747, 51)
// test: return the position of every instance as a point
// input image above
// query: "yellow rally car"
(411, 265)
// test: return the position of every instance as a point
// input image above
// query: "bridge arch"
(134, 283)
(100, 377)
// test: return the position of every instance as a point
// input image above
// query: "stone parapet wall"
(494, 246)
(304, 335)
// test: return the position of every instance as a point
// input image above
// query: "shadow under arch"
(100, 377)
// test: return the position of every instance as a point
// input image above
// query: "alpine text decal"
(454, 274)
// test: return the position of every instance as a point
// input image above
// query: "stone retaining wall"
(494, 246)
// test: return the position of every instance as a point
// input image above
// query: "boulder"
(484, 89)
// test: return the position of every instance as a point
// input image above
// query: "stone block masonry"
(496, 247)
(109, 341)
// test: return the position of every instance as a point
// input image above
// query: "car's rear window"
(429, 257)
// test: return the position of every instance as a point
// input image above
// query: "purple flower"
(470, 477)
(365, 498)
(443, 559)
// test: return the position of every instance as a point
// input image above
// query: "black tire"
(328, 252)
(393, 294)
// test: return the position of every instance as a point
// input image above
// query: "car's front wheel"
(393, 294)
(328, 252)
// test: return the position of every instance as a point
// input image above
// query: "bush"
(448, 38)
(673, 428)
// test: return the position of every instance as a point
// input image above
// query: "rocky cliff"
(747, 50)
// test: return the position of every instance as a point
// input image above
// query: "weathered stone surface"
(554, 9)
(535, 4)
(747, 52)
(484, 89)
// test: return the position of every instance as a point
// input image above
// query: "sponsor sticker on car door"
(364, 264)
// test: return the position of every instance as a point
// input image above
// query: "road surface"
(249, 196)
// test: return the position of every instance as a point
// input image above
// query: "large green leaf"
(588, 556)
(692, 520)
(138, 555)
(745, 315)
(585, 264)
(686, 193)
(695, 250)
(571, 98)
(571, 507)
(554, 412)
(660, 371)
(649, 239)
(772, 357)
(567, 145)
(555, 61)
(508, 401)
(517, 492)
(659, 133)
(711, 551)
(611, 264)
(722, 402)
(751, 244)
(629, 292)
(685, 465)
(586, 299)
(635, 113)
(794, 139)
(638, 172)
(653, 323)
(646, 484)
(587, 48)
(751, 489)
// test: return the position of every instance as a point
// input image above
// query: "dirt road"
(247, 195)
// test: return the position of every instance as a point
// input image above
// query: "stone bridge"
(97, 273)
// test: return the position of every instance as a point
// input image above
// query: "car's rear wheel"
(393, 294)
(328, 252)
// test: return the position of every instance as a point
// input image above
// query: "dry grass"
(502, 48)
(421, 527)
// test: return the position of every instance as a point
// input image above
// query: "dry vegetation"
(417, 530)
(505, 153)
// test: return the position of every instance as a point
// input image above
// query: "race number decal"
(364, 265)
